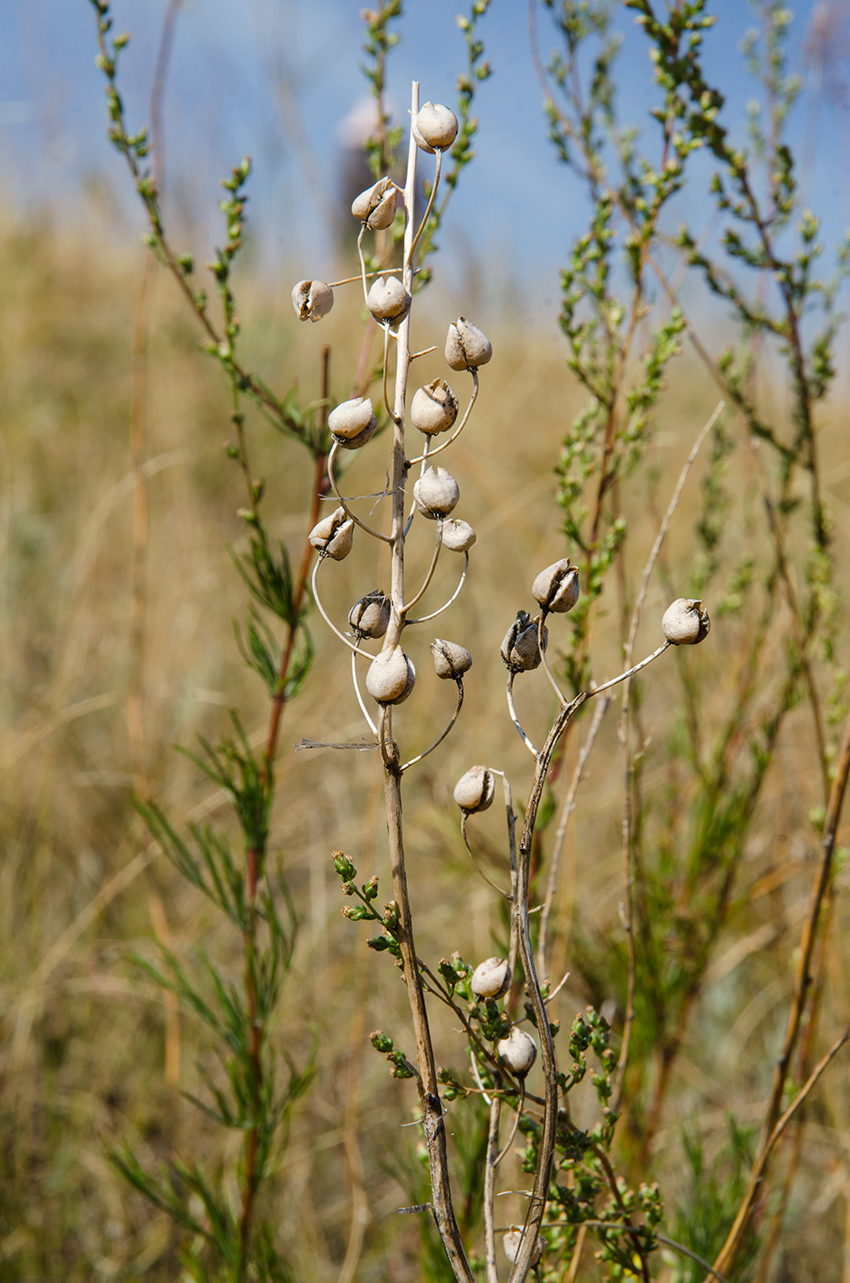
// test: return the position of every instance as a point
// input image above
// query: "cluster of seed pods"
(434, 410)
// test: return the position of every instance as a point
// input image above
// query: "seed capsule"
(333, 535)
(434, 127)
(390, 677)
(491, 978)
(312, 300)
(520, 649)
(518, 1051)
(433, 408)
(353, 423)
(436, 493)
(474, 791)
(466, 346)
(458, 536)
(450, 660)
(376, 206)
(556, 588)
(512, 1243)
(388, 300)
(370, 616)
(686, 622)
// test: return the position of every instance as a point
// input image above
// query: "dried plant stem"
(566, 811)
(628, 766)
(726, 1257)
(804, 632)
(802, 982)
(433, 1121)
(490, 1186)
(519, 916)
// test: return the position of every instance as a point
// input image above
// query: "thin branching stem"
(423, 619)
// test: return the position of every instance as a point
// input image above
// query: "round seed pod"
(520, 649)
(458, 536)
(436, 493)
(388, 300)
(512, 1242)
(370, 616)
(475, 790)
(556, 588)
(333, 535)
(491, 978)
(450, 660)
(353, 422)
(376, 206)
(433, 408)
(434, 127)
(466, 346)
(518, 1051)
(312, 300)
(686, 622)
(390, 677)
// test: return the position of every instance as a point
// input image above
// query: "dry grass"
(82, 1060)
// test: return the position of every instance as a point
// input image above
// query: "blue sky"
(276, 78)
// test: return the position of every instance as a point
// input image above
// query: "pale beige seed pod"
(388, 300)
(520, 649)
(390, 677)
(491, 978)
(312, 300)
(556, 588)
(353, 422)
(434, 127)
(686, 622)
(518, 1051)
(333, 535)
(370, 616)
(475, 789)
(512, 1242)
(436, 493)
(466, 346)
(450, 660)
(433, 408)
(458, 536)
(376, 206)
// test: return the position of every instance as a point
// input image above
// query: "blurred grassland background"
(90, 1052)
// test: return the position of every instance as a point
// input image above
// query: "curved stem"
(406, 607)
(376, 534)
(541, 646)
(478, 868)
(330, 623)
(519, 1108)
(423, 619)
(429, 454)
(430, 204)
(360, 236)
(512, 710)
(597, 690)
(566, 811)
(357, 692)
(381, 271)
(439, 741)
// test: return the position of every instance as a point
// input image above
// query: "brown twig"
(726, 1257)
(802, 982)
